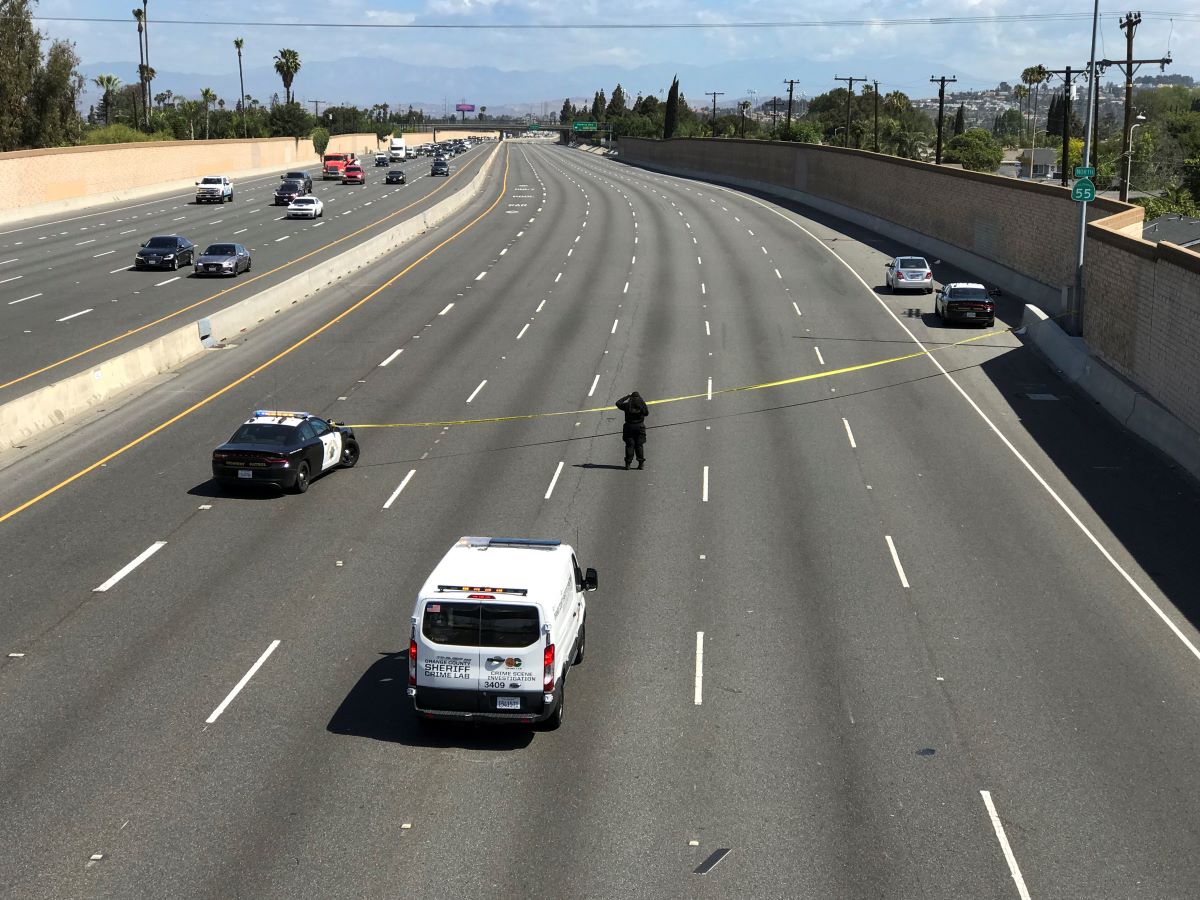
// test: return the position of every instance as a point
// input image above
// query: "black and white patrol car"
(283, 448)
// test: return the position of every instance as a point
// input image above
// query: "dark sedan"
(285, 449)
(439, 167)
(395, 176)
(303, 177)
(289, 191)
(165, 251)
(965, 302)
(223, 259)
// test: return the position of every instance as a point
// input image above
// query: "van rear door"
(448, 667)
(511, 653)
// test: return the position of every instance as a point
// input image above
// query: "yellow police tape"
(703, 394)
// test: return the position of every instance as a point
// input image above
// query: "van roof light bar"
(482, 543)
(475, 589)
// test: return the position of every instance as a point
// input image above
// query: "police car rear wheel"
(301, 484)
(350, 454)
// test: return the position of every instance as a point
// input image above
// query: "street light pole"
(1129, 154)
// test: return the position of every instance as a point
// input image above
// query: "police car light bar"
(280, 414)
(482, 543)
(468, 589)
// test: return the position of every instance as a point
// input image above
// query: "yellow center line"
(238, 286)
(274, 359)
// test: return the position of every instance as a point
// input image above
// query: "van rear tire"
(556, 717)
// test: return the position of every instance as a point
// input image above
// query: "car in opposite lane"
(301, 176)
(439, 167)
(285, 449)
(395, 176)
(223, 259)
(909, 273)
(307, 207)
(165, 251)
(354, 174)
(965, 301)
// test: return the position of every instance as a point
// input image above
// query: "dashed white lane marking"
(703, 289)
(284, 238)
(633, 261)
(698, 699)
(14, 278)
(122, 269)
(480, 276)
(554, 480)
(130, 231)
(477, 390)
(239, 231)
(168, 281)
(505, 250)
(777, 275)
(699, 261)
(88, 241)
(820, 358)
(595, 381)
(751, 233)
(626, 289)
(391, 358)
(216, 222)
(519, 233)
(179, 218)
(849, 433)
(796, 308)
(105, 253)
(23, 299)
(710, 389)
(704, 486)
(237, 688)
(614, 328)
(1009, 856)
(707, 329)
(130, 566)
(521, 333)
(449, 306)
(896, 560)
(556, 277)
(397, 491)
(82, 312)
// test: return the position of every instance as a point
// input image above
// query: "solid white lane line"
(105, 253)
(556, 277)
(480, 276)
(699, 696)
(521, 333)
(237, 688)
(820, 358)
(554, 480)
(710, 389)
(449, 306)
(595, 381)
(849, 433)
(707, 330)
(477, 390)
(704, 487)
(896, 560)
(122, 269)
(130, 566)
(796, 308)
(168, 281)
(14, 278)
(1009, 857)
(614, 328)
(23, 299)
(396, 492)
(391, 358)
(82, 312)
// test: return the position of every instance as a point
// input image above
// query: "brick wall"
(1142, 314)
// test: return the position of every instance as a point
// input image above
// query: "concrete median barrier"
(58, 403)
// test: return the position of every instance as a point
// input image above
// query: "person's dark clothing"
(634, 429)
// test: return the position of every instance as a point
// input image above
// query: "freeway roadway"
(67, 284)
(910, 630)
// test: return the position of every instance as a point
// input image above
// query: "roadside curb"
(58, 403)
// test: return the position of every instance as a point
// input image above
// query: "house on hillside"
(1044, 161)
(1175, 228)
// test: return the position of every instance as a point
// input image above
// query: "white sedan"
(305, 207)
(909, 273)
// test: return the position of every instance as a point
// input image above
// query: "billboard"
(464, 107)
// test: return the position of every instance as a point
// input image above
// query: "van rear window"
(480, 624)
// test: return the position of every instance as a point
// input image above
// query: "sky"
(901, 56)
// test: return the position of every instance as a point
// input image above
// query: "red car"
(354, 174)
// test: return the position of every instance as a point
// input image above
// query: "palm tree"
(1021, 95)
(138, 17)
(239, 43)
(108, 84)
(287, 64)
(146, 24)
(207, 96)
(1034, 77)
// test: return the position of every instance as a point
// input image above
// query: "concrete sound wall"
(1142, 312)
(65, 179)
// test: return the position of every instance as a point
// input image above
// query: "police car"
(495, 630)
(283, 448)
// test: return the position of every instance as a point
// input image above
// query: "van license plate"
(245, 473)
(508, 703)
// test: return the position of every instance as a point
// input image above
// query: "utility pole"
(774, 114)
(1068, 76)
(876, 83)
(1129, 66)
(941, 81)
(849, 95)
(316, 109)
(791, 83)
(714, 95)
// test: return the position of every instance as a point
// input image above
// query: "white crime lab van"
(495, 629)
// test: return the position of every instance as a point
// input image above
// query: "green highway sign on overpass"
(533, 126)
(583, 126)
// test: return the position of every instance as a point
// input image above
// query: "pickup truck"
(214, 189)
(334, 164)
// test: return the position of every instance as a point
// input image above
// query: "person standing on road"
(634, 429)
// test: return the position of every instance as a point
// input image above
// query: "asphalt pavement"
(911, 629)
(70, 295)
